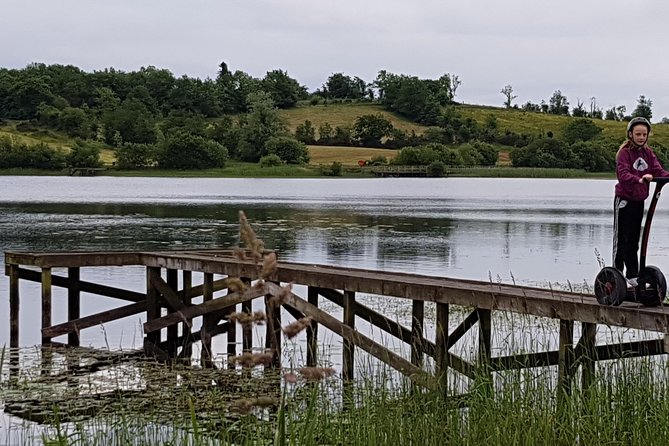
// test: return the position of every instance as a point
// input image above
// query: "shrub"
(288, 149)
(136, 156)
(436, 169)
(270, 160)
(183, 150)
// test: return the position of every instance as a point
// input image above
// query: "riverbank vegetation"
(149, 120)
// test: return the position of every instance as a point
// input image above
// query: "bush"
(436, 169)
(270, 160)
(82, 155)
(183, 150)
(288, 149)
(136, 156)
(335, 169)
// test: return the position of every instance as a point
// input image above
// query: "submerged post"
(565, 359)
(172, 330)
(247, 329)
(312, 330)
(417, 320)
(46, 303)
(73, 303)
(205, 338)
(187, 347)
(441, 344)
(348, 350)
(14, 303)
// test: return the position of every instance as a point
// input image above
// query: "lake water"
(527, 231)
(537, 232)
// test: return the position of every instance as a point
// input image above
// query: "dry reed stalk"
(249, 360)
(245, 405)
(248, 236)
(316, 373)
(269, 265)
(280, 297)
(248, 319)
(293, 329)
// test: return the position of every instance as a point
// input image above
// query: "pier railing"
(169, 311)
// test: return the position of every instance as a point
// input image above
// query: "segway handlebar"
(661, 180)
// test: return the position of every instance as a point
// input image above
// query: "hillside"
(345, 115)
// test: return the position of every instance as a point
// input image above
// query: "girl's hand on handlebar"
(647, 177)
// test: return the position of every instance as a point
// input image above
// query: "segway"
(611, 286)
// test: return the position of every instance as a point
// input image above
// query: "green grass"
(343, 115)
(535, 124)
(233, 169)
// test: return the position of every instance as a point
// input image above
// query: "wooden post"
(565, 360)
(46, 302)
(207, 295)
(46, 321)
(187, 348)
(348, 350)
(441, 344)
(73, 303)
(231, 335)
(588, 360)
(14, 304)
(172, 330)
(312, 331)
(417, 319)
(152, 305)
(273, 331)
(485, 348)
(247, 329)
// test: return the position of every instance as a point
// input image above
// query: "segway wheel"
(610, 286)
(652, 288)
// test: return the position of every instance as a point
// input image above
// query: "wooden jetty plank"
(205, 308)
(468, 293)
(397, 362)
(74, 259)
(93, 320)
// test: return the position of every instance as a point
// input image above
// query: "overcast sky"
(613, 50)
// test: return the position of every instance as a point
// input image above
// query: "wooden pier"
(169, 312)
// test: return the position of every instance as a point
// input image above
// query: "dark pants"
(627, 229)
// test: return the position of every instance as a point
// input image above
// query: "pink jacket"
(631, 164)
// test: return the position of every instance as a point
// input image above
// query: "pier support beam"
(73, 303)
(588, 358)
(441, 346)
(565, 360)
(46, 303)
(348, 350)
(312, 330)
(417, 344)
(208, 294)
(187, 346)
(14, 304)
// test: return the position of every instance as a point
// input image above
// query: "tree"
(643, 108)
(581, 130)
(579, 110)
(558, 104)
(261, 123)
(370, 129)
(507, 91)
(341, 86)
(306, 132)
(284, 90)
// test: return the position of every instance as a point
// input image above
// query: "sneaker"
(632, 282)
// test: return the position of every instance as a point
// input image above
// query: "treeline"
(154, 119)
